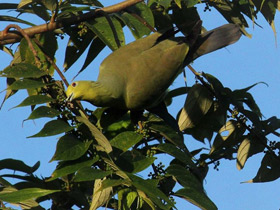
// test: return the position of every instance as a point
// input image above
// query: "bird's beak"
(70, 97)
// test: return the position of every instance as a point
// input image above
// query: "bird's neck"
(99, 95)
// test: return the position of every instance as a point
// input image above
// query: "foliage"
(100, 153)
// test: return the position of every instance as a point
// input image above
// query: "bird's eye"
(74, 84)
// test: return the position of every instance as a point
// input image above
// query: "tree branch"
(13, 36)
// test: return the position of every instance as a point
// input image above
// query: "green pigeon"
(137, 76)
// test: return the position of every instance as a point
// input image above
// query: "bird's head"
(76, 90)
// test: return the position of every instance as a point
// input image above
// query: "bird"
(137, 76)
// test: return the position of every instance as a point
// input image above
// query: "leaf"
(34, 100)
(13, 19)
(199, 199)
(193, 189)
(100, 196)
(268, 9)
(43, 111)
(248, 147)
(70, 148)
(100, 138)
(167, 132)
(52, 128)
(144, 11)
(49, 4)
(186, 17)
(89, 174)
(198, 103)
(17, 165)
(5, 6)
(95, 48)
(133, 161)
(141, 165)
(269, 170)
(152, 191)
(22, 70)
(25, 194)
(9, 92)
(182, 156)
(231, 12)
(71, 167)
(228, 135)
(137, 28)
(126, 197)
(76, 46)
(125, 140)
(27, 83)
(102, 29)
(23, 3)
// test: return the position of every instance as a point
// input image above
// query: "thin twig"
(25, 35)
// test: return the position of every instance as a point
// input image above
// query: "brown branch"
(25, 35)
(13, 37)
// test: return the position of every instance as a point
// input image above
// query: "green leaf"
(184, 177)
(17, 165)
(89, 174)
(197, 198)
(112, 183)
(100, 138)
(23, 3)
(268, 9)
(152, 191)
(125, 140)
(49, 4)
(231, 12)
(25, 194)
(52, 128)
(70, 148)
(198, 103)
(193, 189)
(9, 92)
(186, 17)
(95, 48)
(5, 6)
(34, 100)
(141, 165)
(142, 10)
(22, 70)
(102, 29)
(43, 111)
(71, 167)
(133, 161)
(248, 147)
(13, 19)
(167, 132)
(126, 197)
(228, 135)
(137, 28)
(26, 84)
(100, 196)
(183, 156)
(76, 46)
(87, 2)
(269, 170)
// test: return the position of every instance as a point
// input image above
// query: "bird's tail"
(213, 40)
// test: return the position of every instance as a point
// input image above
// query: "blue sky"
(240, 65)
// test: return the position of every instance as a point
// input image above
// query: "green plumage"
(137, 75)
